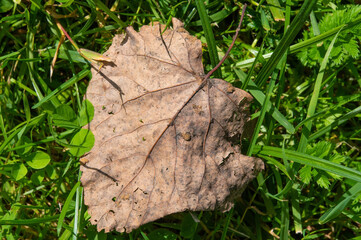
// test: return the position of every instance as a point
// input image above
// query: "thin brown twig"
(230, 47)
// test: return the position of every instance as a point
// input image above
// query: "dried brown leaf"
(164, 136)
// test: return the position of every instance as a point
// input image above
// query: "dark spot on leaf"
(197, 109)
(230, 89)
(186, 136)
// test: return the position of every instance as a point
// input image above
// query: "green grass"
(303, 72)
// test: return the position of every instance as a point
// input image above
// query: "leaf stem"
(230, 47)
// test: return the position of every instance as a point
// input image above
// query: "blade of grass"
(144, 235)
(319, 38)
(216, 17)
(277, 100)
(2, 125)
(282, 192)
(66, 207)
(97, 30)
(45, 140)
(341, 101)
(307, 43)
(226, 225)
(86, 26)
(30, 37)
(287, 15)
(32, 221)
(277, 164)
(355, 217)
(306, 129)
(160, 9)
(250, 71)
(260, 97)
(285, 220)
(253, 141)
(285, 42)
(30, 207)
(30, 55)
(103, 7)
(55, 102)
(154, 10)
(84, 217)
(263, 113)
(276, 10)
(270, 208)
(310, 161)
(341, 204)
(316, 30)
(20, 128)
(264, 20)
(23, 86)
(67, 233)
(334, 124)
(13, 54)
(211, 42)
(77, 208)
(64, 86)
(26, 107)
(296, 210)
